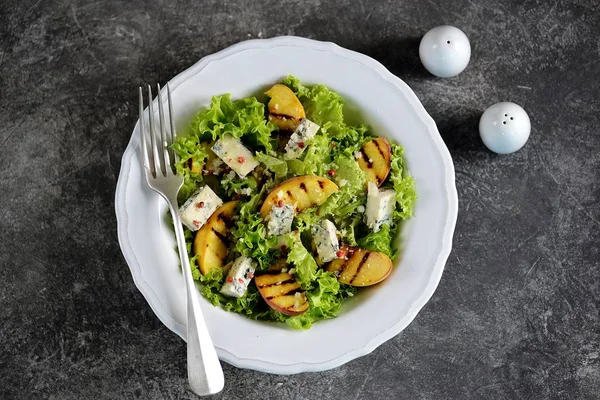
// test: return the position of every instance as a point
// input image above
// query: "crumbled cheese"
(279, 220)
(301, 137)
(199, 207)
(343, 182)
(360, 209)
(325, 240)
(357, 154)
(239, 276)
(292, 271)
(235, 155)
(380, 206)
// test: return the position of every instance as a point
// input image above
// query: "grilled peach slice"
(285, 110)
(303, 191)
(211, 243)
(375, 159)
(282, 293)
(194, 167)
(362, 268)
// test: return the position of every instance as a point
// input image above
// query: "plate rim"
(448, 227)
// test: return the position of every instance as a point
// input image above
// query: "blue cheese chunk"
(380, 206)
(235, 155)
(326, 241)
(279, 220)
(199, 207)
(239, 276)
(300, 139)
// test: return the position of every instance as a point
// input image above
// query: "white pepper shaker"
(504, 127)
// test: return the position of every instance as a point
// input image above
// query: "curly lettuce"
(404, 185)
(325, 300)
(315, 160)
(236, 186)
(302, 260)
(192, 157)
(379, 241)
(243, 119)
(351, 180)
(250, 234)
(275, 165)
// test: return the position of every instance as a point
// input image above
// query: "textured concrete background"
(516, 315)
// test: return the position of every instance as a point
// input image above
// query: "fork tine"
(164, 144)
(156, 166)
(172, 122)
(144, 145)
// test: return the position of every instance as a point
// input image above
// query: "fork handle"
(205, 374)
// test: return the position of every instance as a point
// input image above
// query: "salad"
(288, 209)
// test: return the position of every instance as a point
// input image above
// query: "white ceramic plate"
(376, 314)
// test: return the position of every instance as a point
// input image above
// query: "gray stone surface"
(516, 315)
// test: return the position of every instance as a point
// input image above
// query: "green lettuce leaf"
(325, 300)
(237, 185)
(244, 118)
(302, 260)
(349, 139)
(277, 166)
(349, 176)
(190, 153)
(304, 221)
(379, 241)
(316, 158)
(250, 234)
(351, 180)
(348, 228)
(404, 185)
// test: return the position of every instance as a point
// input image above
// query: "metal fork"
(205, 375)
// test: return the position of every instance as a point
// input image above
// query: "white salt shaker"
(445, 51)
